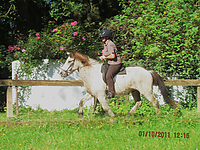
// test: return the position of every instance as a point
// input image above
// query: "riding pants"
(112, 71)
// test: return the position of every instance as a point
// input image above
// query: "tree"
(16, 19)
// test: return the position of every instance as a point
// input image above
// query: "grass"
(52, 130)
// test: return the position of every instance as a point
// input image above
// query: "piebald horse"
(137, 80)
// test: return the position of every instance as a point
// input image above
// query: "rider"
(113, 59)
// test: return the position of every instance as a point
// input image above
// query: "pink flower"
(23, 50)
(55, 29)
(75, 33)
(83, 39)
(99, 54)
(74, 23)
(50, 21)
(10, 49)
(102, 51)
(95, 52)
(62, 48)
(38, 37)
(37, 34)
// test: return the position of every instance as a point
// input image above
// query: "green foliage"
(159, 35)
(88, 13)
(62, 10)
(120, 105)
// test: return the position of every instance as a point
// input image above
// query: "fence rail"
(41, 83)
(80, 83)
(10, 83)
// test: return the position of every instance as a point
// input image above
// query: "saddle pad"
(104, 70)
(122, 70)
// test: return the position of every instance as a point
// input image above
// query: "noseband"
(69, 68)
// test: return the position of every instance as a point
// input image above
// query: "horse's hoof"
(110, 95)
(129, 114)
(80, 115)
(112, 120)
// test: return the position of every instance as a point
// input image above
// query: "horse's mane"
(84, 59)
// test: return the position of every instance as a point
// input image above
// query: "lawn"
(49, 130)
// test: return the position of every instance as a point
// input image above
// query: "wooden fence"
(10, 83)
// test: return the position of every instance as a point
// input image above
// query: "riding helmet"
(105, 33)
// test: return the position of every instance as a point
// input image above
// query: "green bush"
(121, 104)
(159, 35)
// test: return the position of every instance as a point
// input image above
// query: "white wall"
(59, 97)
(52, 97)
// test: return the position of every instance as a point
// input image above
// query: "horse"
(137, 80)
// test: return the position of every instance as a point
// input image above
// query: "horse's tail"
(157, 80)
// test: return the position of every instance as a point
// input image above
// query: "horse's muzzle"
(63, 73)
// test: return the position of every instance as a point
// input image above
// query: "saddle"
(104, 70)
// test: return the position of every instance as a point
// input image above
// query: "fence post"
(198, 99)
(17, 107)
(9, 102)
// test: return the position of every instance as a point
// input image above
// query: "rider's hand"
(102, 57)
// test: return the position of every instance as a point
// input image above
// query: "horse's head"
(69, 66)
(74, 61)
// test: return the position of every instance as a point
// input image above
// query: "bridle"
(69, 67)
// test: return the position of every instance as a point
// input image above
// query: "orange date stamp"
(163, 134)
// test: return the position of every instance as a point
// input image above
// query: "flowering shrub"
(52, 43)
(11, 49)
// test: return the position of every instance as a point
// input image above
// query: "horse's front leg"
(106, 108)
(85, 98)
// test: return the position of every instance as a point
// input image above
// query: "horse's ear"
(71, 54)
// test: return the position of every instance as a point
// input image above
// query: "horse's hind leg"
(138, 102)
(151, 98)
(85, 98)
(96, 101)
